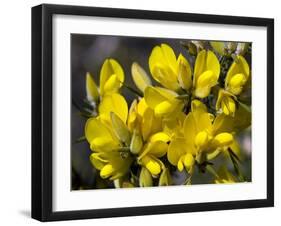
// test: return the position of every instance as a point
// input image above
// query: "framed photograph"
(147, 112)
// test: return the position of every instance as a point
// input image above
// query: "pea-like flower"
(111, 79)
(118, 137)
(206, 73)
(171, 72)
(164, 102)
(236, 78)
(149, 142)
(108, 156)
(226, 102)
(107, 135)
(237, 75)
(176, 76)
(203, 136)
(175, 124)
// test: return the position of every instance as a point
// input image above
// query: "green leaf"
(237, 168)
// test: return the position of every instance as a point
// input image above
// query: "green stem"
(80, 139)
(211, 170)
(133, 90)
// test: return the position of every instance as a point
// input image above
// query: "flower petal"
(113, 103)
(164, 108)
(97, 161)
(112, 85)
(163, 66)
(153, 97)
(222, 140)
(184, 73)
(145, 179)
(136, 143)
(140, 77)
(95, 129)
(107, 171)
(151, 164)
(176, 149)
(91, 88)
(120, 129)
(170, 56)
(236, 83)
(160, 136)
(240, 66)
(204, 83)
(109, 68)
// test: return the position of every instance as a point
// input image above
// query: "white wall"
(15, 93)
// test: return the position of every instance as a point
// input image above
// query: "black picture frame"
(42, 111)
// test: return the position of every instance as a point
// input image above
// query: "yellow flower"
(107, 135)
(176, 76)
(119, 136)
(154, 148)
(113, 103)
(149, 142)
(206, 73)
(237, 75)
(108, 156)
(164, 102)
(171, 72)
(203, 135)
(226, 102)
(111, 79)
(142, 120)
(111, 164)
(236, 78)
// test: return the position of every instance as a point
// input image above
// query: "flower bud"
(165, 178)
(145, 178)
(136, 143)
(120, 128)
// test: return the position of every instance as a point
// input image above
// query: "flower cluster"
(182, 120)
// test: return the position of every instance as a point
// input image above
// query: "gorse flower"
(149, 142)
(107, 139)
(175, 75)
(237, 75)
(164, 102)
(188, 120)
(111, 79)
(171, 72)
(226, 102)
(236, 78)
(124, 134)
(203, 136)
(206, 73)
